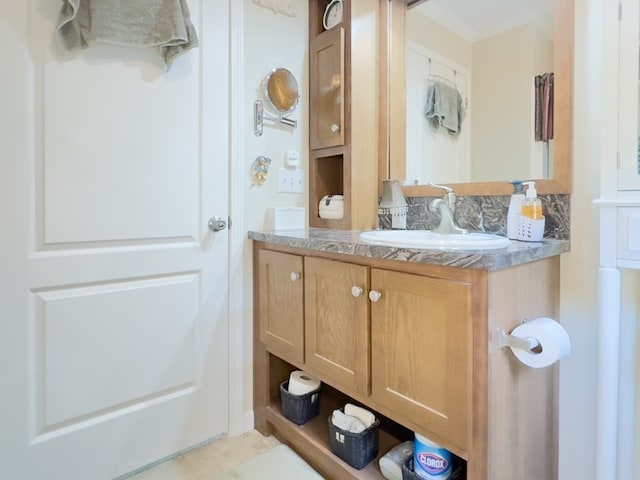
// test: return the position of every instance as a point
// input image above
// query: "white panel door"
(113, 290)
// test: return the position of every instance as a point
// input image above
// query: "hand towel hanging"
(135, 23)
(444, 107)
(544, 107)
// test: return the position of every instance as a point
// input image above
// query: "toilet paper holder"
(507, 340)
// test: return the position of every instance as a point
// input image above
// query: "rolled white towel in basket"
(365, 416)
(347, 422)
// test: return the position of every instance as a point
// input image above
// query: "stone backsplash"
(486, 214)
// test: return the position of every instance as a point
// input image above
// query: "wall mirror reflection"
(490, 54)
(470, 68)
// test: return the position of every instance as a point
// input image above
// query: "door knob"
(295, 276)
(216, 224)
(356, 291)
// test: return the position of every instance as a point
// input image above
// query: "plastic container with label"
(431, 461)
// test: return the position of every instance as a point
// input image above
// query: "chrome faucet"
(446, 206)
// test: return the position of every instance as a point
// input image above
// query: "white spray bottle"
(515, 209)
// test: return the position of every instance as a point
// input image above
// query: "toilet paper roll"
(301, 383)
(553, 339)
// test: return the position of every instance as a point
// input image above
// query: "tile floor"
(214, 458)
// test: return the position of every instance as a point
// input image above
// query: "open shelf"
(311, 441)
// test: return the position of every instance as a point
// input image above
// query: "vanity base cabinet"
(418, 347)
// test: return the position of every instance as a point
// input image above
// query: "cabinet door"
(281, 304)
(337, 322)
(421, 352)
(327, 89)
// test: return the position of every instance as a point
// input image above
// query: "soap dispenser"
(532, 206)
(515, 209)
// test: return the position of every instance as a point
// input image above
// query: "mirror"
(397, 157)
(281, 90)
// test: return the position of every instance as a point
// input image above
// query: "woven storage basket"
(299, 408)
(457, 470)
(357, 449)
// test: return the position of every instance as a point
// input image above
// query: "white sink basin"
(429, 240)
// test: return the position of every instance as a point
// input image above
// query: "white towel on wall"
(135, 23)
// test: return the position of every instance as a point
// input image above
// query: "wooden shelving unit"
(343, 134)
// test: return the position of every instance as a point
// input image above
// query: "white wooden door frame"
(240, 417)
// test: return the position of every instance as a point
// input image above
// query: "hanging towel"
(444, 107)
(135, 23)
(544, 107)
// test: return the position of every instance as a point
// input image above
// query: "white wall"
(503, 70)
(270, 40)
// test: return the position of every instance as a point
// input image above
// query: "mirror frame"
(392, 120)
(272, 79)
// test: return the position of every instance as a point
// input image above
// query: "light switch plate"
(290, 180)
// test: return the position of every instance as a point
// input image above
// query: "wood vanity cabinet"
(416, 344)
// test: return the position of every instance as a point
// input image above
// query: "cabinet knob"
(374, 295)
(294, 276)
(335, 128)
(356, 291)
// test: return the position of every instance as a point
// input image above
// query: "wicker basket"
(458, 471)
(299, 408)
(357, 449)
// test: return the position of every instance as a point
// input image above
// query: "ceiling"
(478, 19)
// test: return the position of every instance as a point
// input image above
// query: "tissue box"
(284, 218)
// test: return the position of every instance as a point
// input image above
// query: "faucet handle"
(443, 187)
(449, 195)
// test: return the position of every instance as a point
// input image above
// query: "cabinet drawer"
(628, 246)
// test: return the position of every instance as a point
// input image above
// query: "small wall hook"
(259, 170)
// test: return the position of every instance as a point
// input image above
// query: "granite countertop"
(348, 242)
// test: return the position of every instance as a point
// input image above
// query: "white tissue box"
(284, 218)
